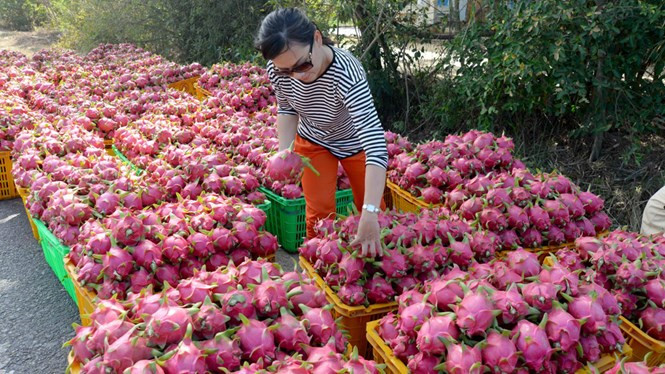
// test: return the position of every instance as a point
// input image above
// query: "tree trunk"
(599, 102)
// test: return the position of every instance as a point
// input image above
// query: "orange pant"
(320, 190)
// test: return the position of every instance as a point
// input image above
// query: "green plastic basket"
(287, 217)
(266, 207)
(54, 253)
(124, 159)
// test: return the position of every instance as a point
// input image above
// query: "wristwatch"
(370, 208)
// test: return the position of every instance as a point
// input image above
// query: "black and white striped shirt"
(336, 110)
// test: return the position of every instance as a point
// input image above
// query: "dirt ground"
(27, 42)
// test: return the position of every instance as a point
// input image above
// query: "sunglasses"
(300, 68)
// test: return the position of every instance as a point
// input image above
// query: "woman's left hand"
(369, 235)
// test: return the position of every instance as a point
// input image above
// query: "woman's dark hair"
(281, 28)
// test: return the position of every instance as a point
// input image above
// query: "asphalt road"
(36, 313)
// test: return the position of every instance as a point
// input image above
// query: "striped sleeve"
(359, 102)
(283, 106)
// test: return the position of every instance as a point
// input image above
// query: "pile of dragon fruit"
(529, 210)
(504, 317)
(242, 88)
(236, 319)
(418, 248)
(128, 251)
(436, 167)
(630, 266)
(476, 176)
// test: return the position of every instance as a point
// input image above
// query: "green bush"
(206, 31)
(570, 64)
(22, 15)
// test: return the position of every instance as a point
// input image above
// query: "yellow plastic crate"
(403, 201)
(641, 344)
(544, 252)
(7, 187)
(384, 355)
(83, 295)
(186, 85)
(73, 366)
(200, 92)
(24, 193)
(352, 318)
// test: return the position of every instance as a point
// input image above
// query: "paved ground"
(35, 311)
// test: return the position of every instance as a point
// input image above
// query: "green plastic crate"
(124, 159)
(54, 253)
(266, 207)
(287, 218)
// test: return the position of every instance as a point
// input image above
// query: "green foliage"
(206, 31)
(22, 15)
(586, 67)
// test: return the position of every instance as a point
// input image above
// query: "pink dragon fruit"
(379, 290)
(655, 290)
(425, 363)
(492, 219)
(524, 263)
(226, 352)
(517, 218)
(611, 338)
(652, 319)
(586, 307)
(499, 353)
(269, 297)
(393, 263)
(194, 291)
(351, 268)
(256, 340)
(590, 348)
(531, 340)
(147, 254)
(562, 277)
(357, 364)
(540, 295)
(475, 313)
(128, 230)
(285, 165)
(186, 357)
(503, 276)
(290, 333)
(432, 195)
(79, 348)
(511, 304)
(319, 323)
(387, 328)
(168, 324)
(567, 362)
(563, 329)
(306, 294)
(238, 303)
(209, 320)
(435, 333)
(444, 293)
(127, 350)
(413, 316)
(145, 367)
(352, 294)
(118, 263)
(464, 360)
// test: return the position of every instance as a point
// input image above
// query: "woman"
(327, 111)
